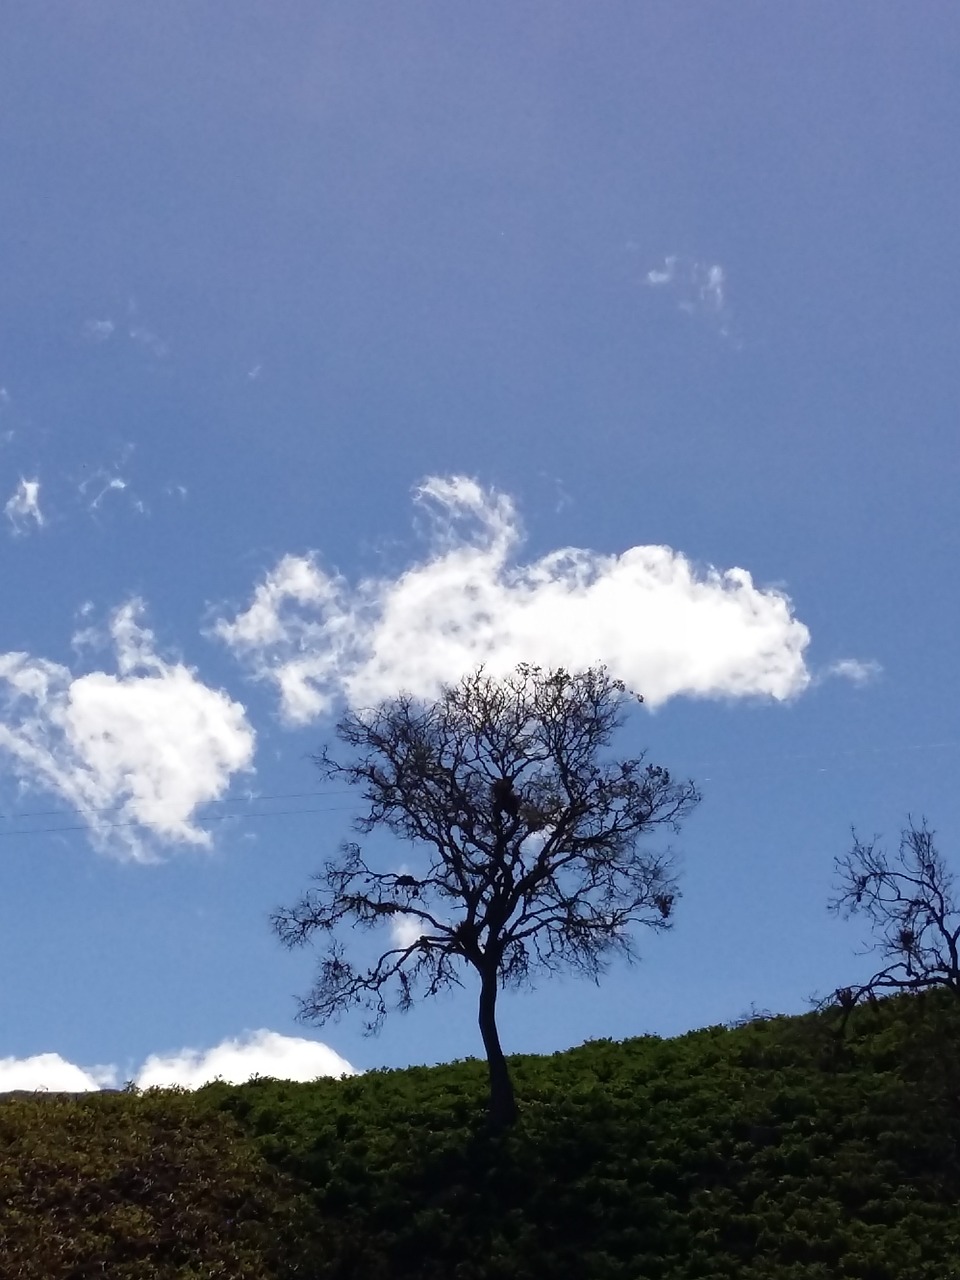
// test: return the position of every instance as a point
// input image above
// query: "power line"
(213, 817)
(297, 795)
(110, 808)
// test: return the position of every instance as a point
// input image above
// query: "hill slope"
(766, 1151)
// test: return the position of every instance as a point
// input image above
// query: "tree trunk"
(503, 1106)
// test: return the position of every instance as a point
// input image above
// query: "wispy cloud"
(102, 481)
(23, 507)
(665, 274)
(137, 752)
(257, 1053)
(405, 930)
(7, 433)
(855, 670)
(698, 288)
(146, 338)
(115, 484)
(98, 330)
(665, 627)
(101, 331)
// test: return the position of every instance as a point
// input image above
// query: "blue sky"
(324, 331)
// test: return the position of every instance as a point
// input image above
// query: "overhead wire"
(109, 808)
(252, 799)
(240, 815)
(209, 817)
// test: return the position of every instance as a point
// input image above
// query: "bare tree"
(912, 913)
(527, 841)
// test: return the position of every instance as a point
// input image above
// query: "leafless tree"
(913, 917)
(527, 845)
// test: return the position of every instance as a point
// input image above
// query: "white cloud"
(101, 481)
(23, 508)
(153, 343)
(699, 288)
(263, 1053)
(258, 1053)
(712, 284)
(98, 330)
(50, 1071)
(664, 627)
(405, 930)
(116, 484)
(664, 275)
(137, 753)
(855, 670)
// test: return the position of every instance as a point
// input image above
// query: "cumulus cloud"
(665, 627)
(136, 752)
(50, 1071)
(23, 507)
(259, 1053)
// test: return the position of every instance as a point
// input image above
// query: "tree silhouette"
(913, 917)
(528, 844)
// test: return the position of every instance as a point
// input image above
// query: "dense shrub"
(126, 1185)
(768, 1151)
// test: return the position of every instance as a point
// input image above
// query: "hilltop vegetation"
(137, 1186)
(768, 1151)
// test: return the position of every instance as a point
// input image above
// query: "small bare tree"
(912, 913)
(528, 841)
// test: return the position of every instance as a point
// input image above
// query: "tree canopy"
(909, 903)
(528, 846)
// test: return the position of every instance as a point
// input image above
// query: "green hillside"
(770, 1150)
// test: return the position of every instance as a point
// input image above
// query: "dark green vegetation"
(770, 1151)
(136, 1186)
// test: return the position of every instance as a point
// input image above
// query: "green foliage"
(134, 1186)
(768, 1151)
